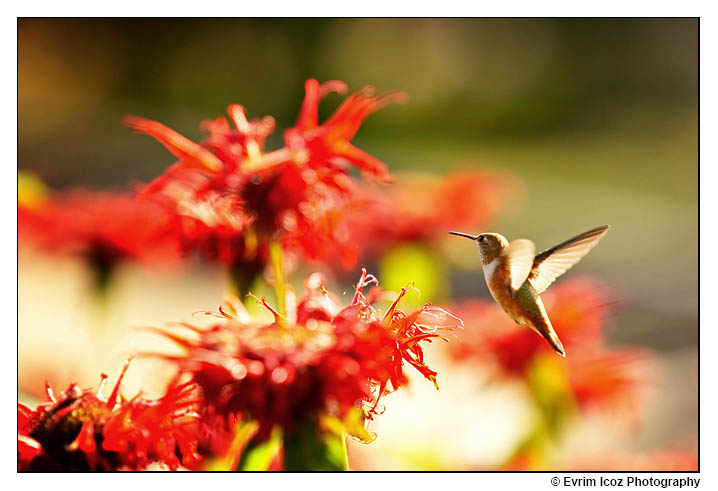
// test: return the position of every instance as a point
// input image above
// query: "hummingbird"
(516, 277)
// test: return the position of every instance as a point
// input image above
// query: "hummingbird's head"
(490, 245)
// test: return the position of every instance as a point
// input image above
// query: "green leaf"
(417, 265)
(309, 449)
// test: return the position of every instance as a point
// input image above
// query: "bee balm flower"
(228, 190)
(80, 430)
(321, 359)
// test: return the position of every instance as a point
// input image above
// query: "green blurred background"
(597, 117)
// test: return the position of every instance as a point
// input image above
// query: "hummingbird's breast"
(496, 277)
(524, 306)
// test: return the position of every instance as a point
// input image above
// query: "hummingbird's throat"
(490, 267)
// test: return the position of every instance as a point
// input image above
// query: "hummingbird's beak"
(461, 234)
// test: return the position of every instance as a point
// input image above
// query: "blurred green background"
(597, 117)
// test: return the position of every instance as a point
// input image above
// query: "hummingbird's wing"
(519, 258)
(554, 262)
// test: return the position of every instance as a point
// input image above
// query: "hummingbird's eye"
(481, 238)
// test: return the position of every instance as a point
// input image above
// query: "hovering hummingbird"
(516, 276)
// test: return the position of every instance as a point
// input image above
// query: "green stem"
(276, 255)
(310, 449)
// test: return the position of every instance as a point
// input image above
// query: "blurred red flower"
(669, 460)
(103, 227)
(612, 381)
(82, 431)
(321, 359)
(423, 206)
(418, 208)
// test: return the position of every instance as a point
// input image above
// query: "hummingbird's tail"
(545, 329)
(540, 322)
(555, 342)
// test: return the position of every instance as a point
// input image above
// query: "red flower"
(228, 190)
(613, 382)
(320, 143)
(82, 431)
(103, 227)
(321, 359)
(419, 208)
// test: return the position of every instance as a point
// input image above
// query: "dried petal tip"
(393, 97)
(332, 86)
